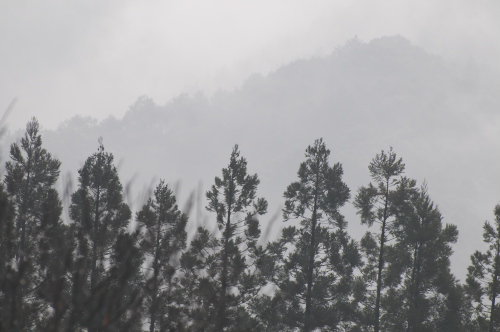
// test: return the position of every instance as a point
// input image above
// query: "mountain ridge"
(362, 98)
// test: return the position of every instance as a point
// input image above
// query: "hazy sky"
(95, 58)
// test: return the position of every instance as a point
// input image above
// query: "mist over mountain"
(441, 118)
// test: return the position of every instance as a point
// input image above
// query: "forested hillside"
(130, 224)
(364, 97)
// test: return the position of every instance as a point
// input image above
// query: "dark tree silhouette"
(163, 238)
(30, 176)
(315, 279)
(483, 284)
(421, 285)
(99, 231)
(232, 275)
(378, 204)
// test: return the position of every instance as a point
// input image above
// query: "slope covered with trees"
(93, 264)
(365, 95)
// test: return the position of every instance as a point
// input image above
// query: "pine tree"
(420, 282)
(54, 250)
(223, 271)
(124, 280)
(8, 282)
(30, 177)
(100, 220)
(164, 236)
(378, 204)
(483, 279)
(316, 277)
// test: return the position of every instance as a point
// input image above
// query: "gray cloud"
(94, 58)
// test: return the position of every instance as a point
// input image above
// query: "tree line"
(95, 272)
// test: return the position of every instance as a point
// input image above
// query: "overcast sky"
(62, 58)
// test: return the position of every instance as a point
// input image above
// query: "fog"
(272, 77)
(93, 58)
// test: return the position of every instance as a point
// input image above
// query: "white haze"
(95, 58)
(62, 58)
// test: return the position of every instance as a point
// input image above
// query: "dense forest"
(106, 268)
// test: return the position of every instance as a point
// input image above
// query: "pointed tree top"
(101, 146)
(386, 165)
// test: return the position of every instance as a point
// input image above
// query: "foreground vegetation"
(95, 272)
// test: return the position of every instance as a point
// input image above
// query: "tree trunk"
(414, 321)
(24, 208)
(156, 271)
(17, 315)
(93, 274)
(310, 271)
(221, 316)
(95, 244)
(381, 261)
